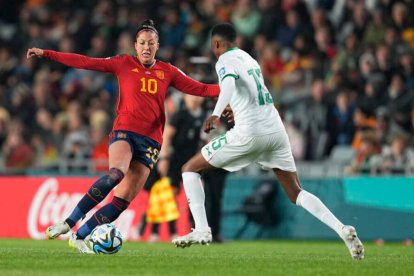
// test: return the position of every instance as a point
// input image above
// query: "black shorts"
(144, 149)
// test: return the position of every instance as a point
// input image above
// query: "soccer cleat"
(353, 243)
(81, 245)
(196, 236)
(54, 231)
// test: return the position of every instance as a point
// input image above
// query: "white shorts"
(233, 152)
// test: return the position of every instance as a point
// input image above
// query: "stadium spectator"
(272, 64)
(398, 100)
(384, 61)
(400, 19)
(406, 66)
(271, 16)
(47, 149)
(363, 120)
(367, 160)
(287, 32)
(316, 122)
(18, 153)
(397, 157)
(325, 52)
(375, 30)
(347, 57)
(246, 18)
(371, 99)
(341, 127)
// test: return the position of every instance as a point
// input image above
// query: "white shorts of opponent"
(233, 152)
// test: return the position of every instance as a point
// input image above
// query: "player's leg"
(279, 157)
(194, 190)
(227, 151)
(290, 183)
(126, 191)
(195, 196)
(119, 159)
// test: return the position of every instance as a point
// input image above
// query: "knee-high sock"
(315, 206)
(106, 214)
(98, 191)
(195, 197)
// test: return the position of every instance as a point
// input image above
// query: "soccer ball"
(105, 239)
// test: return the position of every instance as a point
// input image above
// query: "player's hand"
(210, 123)
(228, 114)
(34, 52)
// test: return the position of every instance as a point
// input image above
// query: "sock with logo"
(98, 191)
(106, 214)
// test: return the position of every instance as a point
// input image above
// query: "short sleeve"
(226, 69)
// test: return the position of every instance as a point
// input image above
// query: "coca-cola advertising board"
(30, 204)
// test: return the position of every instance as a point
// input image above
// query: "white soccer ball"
(106, 239)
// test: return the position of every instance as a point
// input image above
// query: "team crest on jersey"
(222, 71)
(159, 74)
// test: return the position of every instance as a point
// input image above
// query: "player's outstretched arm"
(190, 86)
(110, 65)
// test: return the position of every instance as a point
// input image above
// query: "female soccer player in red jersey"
(136, 138)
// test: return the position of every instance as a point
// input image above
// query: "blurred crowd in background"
(341, 74)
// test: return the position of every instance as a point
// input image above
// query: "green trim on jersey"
(231, 49)
(230, 75)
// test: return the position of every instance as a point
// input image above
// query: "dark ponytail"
(147, 24)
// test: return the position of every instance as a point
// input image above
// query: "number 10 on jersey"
(149, 85)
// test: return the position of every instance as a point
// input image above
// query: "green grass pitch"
(28, 257)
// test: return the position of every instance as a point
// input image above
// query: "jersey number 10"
(264, 97)
(149, 85)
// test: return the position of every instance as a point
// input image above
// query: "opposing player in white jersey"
(258, 136)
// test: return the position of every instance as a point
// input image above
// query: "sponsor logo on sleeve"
(222, 71)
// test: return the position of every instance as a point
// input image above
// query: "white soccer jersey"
(252, 104)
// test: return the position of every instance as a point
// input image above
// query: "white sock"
(315, 206)
(195, 197)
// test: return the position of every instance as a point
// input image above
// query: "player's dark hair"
(226, 31)
(147, 24)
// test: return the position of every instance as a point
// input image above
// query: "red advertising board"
(28, 205)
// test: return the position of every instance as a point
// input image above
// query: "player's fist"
(210, 123)
(34, 52)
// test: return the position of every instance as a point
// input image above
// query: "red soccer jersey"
(142, 91)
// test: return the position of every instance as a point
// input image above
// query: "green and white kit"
(258, 135)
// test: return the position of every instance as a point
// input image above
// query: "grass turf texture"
(28, 257)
